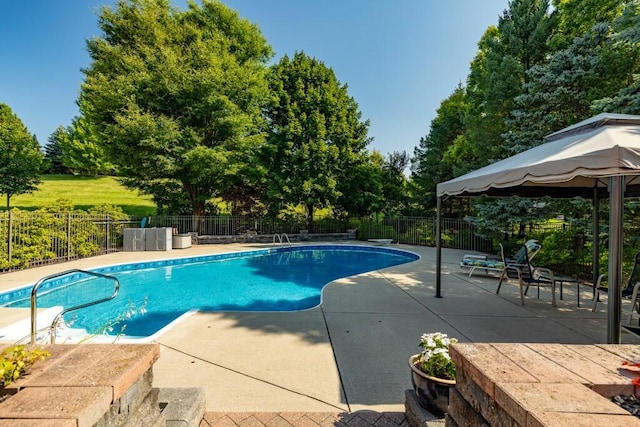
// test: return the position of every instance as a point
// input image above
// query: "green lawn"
(83, 193)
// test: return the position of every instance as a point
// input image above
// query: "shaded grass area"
(83, 193)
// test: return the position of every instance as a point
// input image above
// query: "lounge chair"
(630, 291)
(519, 268)
(495, 263)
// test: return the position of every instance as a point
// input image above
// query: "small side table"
(560, 279)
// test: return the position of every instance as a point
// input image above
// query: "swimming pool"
(154, 294)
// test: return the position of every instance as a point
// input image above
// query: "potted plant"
(433, 372)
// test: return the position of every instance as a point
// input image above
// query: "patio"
(349, 355)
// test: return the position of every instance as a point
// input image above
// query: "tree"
(427, 167)
(176, 96)
(82, 152)
(362, 193)
(577, 17)
(395, 198)
(54, 154)
(626, 37)
(20, 156)
(498, 73)
(562, 91)
(316, 135)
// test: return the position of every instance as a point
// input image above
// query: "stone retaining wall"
(538, 385)
(96, 385)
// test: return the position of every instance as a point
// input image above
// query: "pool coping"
(16, 330)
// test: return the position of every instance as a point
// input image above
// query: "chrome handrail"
(280, 239)
(287, 237)
(34, 304)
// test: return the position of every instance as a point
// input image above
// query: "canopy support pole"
(616, 198)
(595, 262)
(438, 247)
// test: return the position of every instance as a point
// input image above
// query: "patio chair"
(527, 275)
(520, 258)
(630, 291)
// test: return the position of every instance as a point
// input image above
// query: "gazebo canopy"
(571, 163)
(596, 158)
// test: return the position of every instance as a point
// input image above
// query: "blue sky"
(400, 58)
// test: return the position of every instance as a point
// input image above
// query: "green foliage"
(427, 167)
(502, 218)
(434, 359)
(54, 154)
(363, 193)
(81, 152)
(567, 251)
(20, 156)
(562, 91)
(423, 232)
(55, 230)
(577, 17)
(16, 360)
(177, 96)
(315, 139)
(375, 230)
(395, 200)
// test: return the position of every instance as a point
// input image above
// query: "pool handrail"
(34, 304)
(280, 238)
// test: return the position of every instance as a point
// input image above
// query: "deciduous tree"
(316, 135)
(427, 167)
(177, 95)
(82, 152)
(20, 157)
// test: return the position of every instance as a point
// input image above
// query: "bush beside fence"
(29, 239)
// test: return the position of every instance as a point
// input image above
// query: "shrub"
(16, 360)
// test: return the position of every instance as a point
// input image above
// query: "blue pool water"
(153, 294)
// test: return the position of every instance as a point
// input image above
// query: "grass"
(84, 193)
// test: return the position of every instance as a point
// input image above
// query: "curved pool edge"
(126, 266)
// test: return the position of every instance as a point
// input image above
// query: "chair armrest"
(601, 278)
(543, 273)
(512, 271)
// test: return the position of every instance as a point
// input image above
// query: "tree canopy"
(316, 136)
(176, 96)
(539, 70)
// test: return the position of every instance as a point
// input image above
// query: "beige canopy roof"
(571, 163)
(595, 158)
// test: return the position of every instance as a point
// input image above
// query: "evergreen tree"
(54, 154)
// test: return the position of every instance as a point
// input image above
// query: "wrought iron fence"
(421, 231)
(33, 238)
(29, 239)
(225, 225)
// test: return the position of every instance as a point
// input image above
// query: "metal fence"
(33, 238)
(421, 231)
(229, 225)
(456, 233)
(29, 239)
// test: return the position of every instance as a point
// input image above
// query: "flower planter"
(432, 392)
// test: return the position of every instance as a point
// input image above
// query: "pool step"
(182, 406)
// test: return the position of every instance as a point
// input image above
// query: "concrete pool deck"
(350, 354)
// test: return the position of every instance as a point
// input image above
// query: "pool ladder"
(281, 238)
(54, 323)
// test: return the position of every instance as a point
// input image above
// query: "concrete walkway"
(350, 355)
